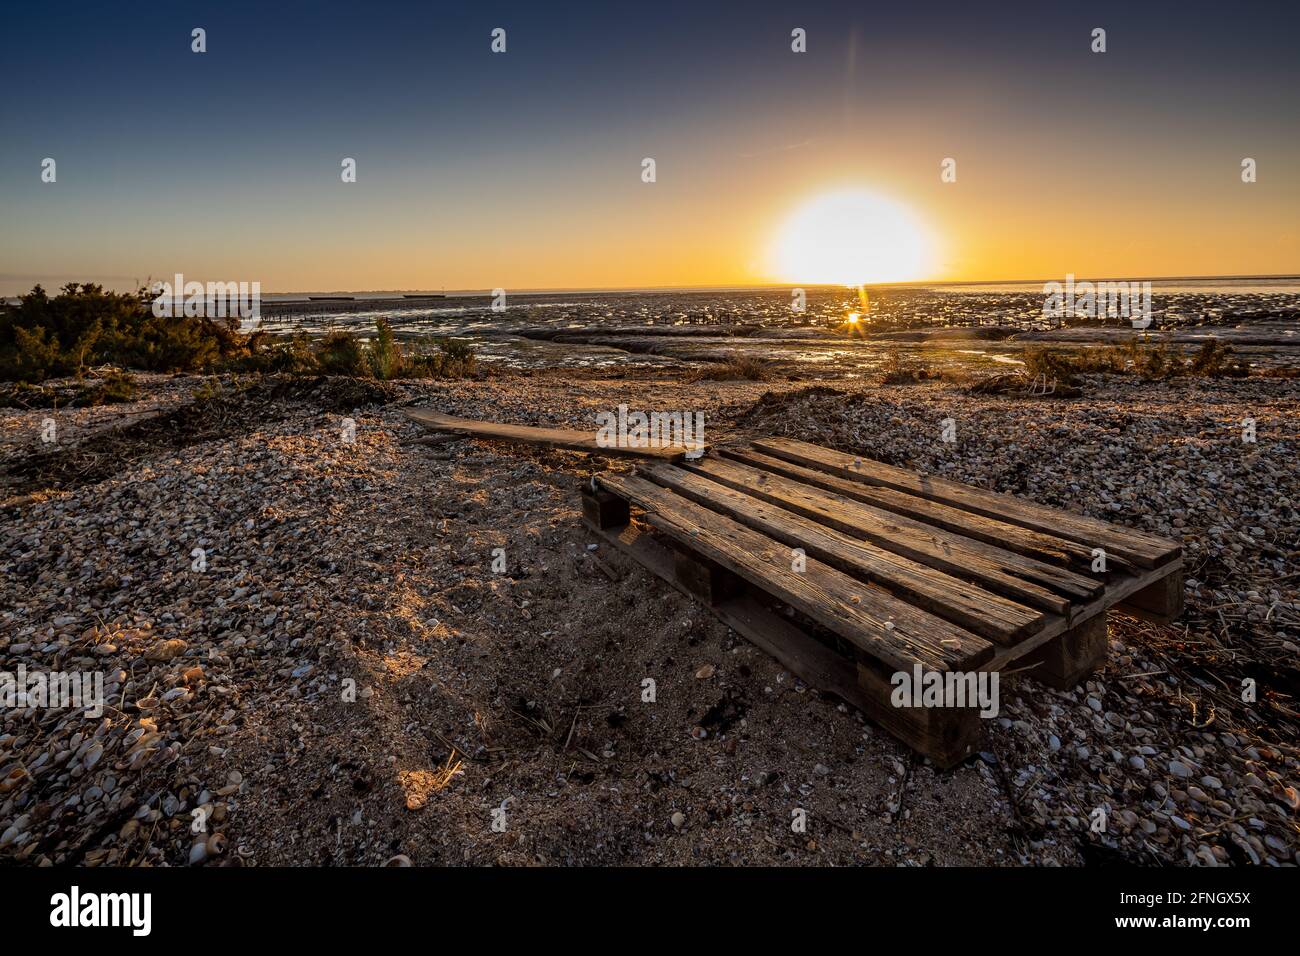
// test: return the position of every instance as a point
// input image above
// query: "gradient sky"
(523, 170)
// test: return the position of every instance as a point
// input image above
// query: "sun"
(851, 237)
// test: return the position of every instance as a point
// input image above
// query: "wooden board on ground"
(531, 435)
(881, 579)
(1139, 547)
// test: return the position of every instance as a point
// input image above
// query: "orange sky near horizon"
(706, 221)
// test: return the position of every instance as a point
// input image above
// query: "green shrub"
(33, 356)
(384, 354)
(293, 357)
(167, 345)
(83, 326)
(117, 386)
(209, 390)
(457, 358)
(340, 354)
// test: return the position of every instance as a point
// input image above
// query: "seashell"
(166, 650)
(12, 778)
(400, 860)
(216, 844)
(198, 853)
(92, 755)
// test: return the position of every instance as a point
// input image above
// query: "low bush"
(896, 371)
(384, 354)
(340, 354)
(115, 387)
(83, 326)
(735, 369)
(48, 337)
(1135, 357)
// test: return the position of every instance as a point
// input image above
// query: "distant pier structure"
(290, 308)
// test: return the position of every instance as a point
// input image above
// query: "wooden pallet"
(897, 570)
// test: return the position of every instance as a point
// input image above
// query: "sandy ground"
(348, 679)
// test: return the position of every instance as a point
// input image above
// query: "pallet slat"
(966, 605)
(1139, 547)
(1033, 544)
(880, 625)
(1021, 579)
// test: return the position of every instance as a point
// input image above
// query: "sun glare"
(853, 237)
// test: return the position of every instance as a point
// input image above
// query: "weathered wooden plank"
(945, 735)
(1020, 578)
(1012, 537)
(871, 619)
(1139, 547)
(548, 437)
(953, 599)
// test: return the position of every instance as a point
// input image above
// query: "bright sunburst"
(852, 237)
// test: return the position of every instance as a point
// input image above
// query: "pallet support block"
(604, 509)
(947, 735)
(1065, 660)
(709, 582)
(1159, 602)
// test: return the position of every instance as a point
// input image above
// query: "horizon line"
(742, 287)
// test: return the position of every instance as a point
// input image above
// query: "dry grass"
(737, 368)
(419, 785)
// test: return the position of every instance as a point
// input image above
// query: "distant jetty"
(316, 304)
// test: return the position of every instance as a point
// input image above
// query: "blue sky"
(478, 169)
